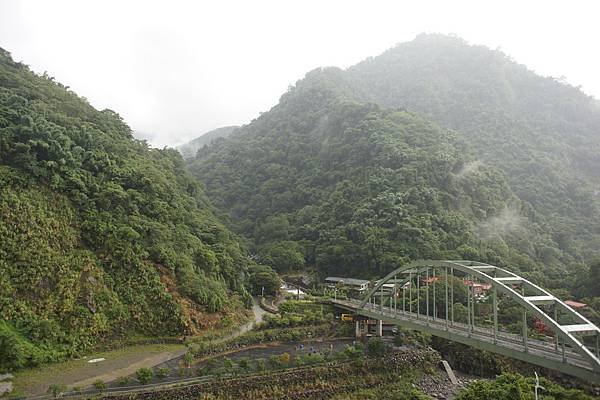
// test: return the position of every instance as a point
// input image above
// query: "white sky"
(176, 69)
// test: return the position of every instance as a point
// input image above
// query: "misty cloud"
(508, 221)
(468, 168)
(177, 69)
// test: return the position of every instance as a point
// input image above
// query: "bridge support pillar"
(379, 328)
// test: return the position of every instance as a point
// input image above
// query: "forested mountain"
(189, 149)
(101, 236)
(352, 188)
(542, 133)
(348, 173)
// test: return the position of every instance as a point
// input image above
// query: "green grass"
(28, 379)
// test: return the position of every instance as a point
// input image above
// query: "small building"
(479, 289)
(386, 287)
(292, 291)
(431, 279)
(575, 304)
(360, 285)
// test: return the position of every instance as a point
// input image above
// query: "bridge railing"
(435, 291)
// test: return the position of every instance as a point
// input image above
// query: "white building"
(359, 285)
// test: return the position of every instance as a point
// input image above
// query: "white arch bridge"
(421, 296)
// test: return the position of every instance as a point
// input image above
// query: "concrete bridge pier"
(379, 331)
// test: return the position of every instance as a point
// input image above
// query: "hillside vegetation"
(102, 236)
(542, 133)
(435, 149)
(353, 188)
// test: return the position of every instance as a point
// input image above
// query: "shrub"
(188, 359)
(284, 359)
(514, 386)
(57, 389)
(162, 372)
(229, 366)
(245, 363)
(314, 359)
(376, 347)
(100, 385)
(274, 361)
(144, 375)
(123, 380)
(399, 339)
(353, 352)
(299, 360)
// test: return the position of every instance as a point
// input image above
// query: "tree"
(121, 222)
(260, 364)
(144, 375)
(263, 276)
(284, 359)
(376, 347)
(594, 278)
(283, 256)
(188, 359)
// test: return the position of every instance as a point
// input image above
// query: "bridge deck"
(537, 352)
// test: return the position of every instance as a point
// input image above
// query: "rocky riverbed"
(438, 385)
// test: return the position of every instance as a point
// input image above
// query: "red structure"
(431, 279)
(540, 327)
(480, 289)
(575, 304)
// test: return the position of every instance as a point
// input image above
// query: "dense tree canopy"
(517, 387)
(542, 133)
(506, 173)
(354, 189)
(101, 235)
(263, 277)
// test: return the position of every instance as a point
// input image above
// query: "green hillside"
(542, 133)
(348, 174)
(354, 189)
(101, 236)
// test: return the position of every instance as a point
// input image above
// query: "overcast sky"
(176, 69)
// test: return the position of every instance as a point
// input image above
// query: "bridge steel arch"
(580, 361)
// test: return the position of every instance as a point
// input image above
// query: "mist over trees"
(435, 149)
(189, 149)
